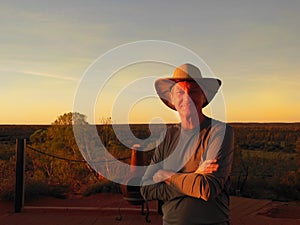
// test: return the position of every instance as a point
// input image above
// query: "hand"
(208, 166)
(163, 176)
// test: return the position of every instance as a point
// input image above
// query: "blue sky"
(252, 46)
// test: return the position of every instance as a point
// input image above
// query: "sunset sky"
(47, 46)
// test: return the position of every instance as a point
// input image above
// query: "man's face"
(188, 98)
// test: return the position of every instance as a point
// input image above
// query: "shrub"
(7, 177)
(102, 186)
(289, 185)
(34, 188)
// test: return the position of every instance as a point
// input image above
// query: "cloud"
(41, 74)
(49, 75)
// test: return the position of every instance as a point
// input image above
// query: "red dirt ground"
(109, 200)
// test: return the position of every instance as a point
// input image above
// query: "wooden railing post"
(20, 172)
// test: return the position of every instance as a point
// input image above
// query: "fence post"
(20, 172)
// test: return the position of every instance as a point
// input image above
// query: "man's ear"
(203, 99)
(171, 97)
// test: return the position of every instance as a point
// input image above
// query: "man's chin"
(188, 113)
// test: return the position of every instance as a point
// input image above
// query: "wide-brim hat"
(187, 72)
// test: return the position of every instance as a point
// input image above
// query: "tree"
(62, 162)
(106, 131)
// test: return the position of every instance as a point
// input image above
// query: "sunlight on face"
(188, 98)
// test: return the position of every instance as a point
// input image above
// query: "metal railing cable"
(73, 160)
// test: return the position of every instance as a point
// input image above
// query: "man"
(190, 168)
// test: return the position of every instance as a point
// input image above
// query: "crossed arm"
(206, 182)
(207, 167)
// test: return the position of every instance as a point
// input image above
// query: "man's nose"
(186, 96)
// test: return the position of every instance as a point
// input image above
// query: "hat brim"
(209, 86)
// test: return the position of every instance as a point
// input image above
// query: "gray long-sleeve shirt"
(192, 198)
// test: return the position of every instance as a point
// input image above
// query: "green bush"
(35, 188)
(7, 194)
(7, 177)
(102, 186)
(289, 185)
(59, 191)
(260, 188)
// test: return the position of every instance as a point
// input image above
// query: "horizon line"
(139, 123)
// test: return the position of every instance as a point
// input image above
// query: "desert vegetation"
(266, 160)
